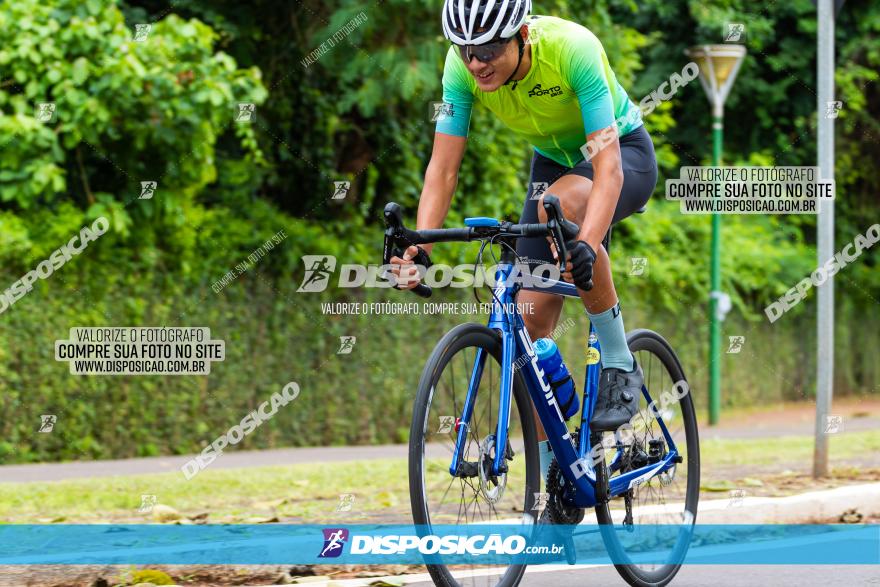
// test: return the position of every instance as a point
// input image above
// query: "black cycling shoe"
(618, 398)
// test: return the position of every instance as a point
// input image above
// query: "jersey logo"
(539, 91)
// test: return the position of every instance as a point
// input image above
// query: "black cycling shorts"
(639, 179)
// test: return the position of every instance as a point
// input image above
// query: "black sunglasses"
(484, 53)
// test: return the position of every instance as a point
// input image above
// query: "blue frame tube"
(468, 410)
(591, 388)
(579, 471)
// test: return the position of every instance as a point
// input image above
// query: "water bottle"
(557, 373)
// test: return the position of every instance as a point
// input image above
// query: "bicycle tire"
(464, 336)
(643, 340)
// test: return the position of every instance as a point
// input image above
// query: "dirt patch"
(768, 482)
(189, 575)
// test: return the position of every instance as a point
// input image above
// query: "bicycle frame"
(576, 462)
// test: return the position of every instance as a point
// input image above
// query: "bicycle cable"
(495, 260)
(477, 262)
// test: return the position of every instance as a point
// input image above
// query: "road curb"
(822, 505)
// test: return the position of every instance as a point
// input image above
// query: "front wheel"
(668, 499)
(438, 497)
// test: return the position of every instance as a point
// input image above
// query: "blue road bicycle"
(473, 454)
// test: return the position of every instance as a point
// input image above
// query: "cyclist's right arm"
(441, 175)
(440, 180)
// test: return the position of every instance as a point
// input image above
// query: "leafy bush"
(125, 112)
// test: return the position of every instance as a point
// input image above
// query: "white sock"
(612, 338)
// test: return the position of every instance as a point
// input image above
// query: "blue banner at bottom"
(474, 544)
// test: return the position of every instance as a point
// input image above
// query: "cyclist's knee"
(573, 192)
(540, 312)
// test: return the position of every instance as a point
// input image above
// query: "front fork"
(499, 464)
(500, 319)
(463, 424)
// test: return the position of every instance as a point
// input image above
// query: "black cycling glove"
(421, 257)
(582, 257)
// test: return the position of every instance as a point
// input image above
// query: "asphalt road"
(703, 576)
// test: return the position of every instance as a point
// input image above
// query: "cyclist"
(550, 82)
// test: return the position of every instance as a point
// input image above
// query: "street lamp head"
(718, 65)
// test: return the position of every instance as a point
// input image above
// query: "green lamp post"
(718, 65)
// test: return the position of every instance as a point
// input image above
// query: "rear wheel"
(438, 497)
(668, 499)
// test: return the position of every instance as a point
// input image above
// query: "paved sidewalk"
(792, 419)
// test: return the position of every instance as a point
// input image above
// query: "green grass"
(787, 450)
(310, 492)
(307, 492)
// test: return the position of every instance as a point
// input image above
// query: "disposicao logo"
(319, 270)
(334, 541)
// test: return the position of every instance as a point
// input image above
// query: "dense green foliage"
(273, 336)
(163, 109)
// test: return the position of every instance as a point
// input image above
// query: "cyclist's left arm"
(607, 182)
(586, 67)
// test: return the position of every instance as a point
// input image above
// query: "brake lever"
(559, 242)
(387, 246)
(393, 214)
(393, 222)
(554, 216)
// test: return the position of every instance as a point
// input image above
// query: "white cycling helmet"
(499, 19)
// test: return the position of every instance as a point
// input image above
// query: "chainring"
(557, 511)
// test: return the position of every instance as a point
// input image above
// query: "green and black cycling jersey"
(569, 92)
